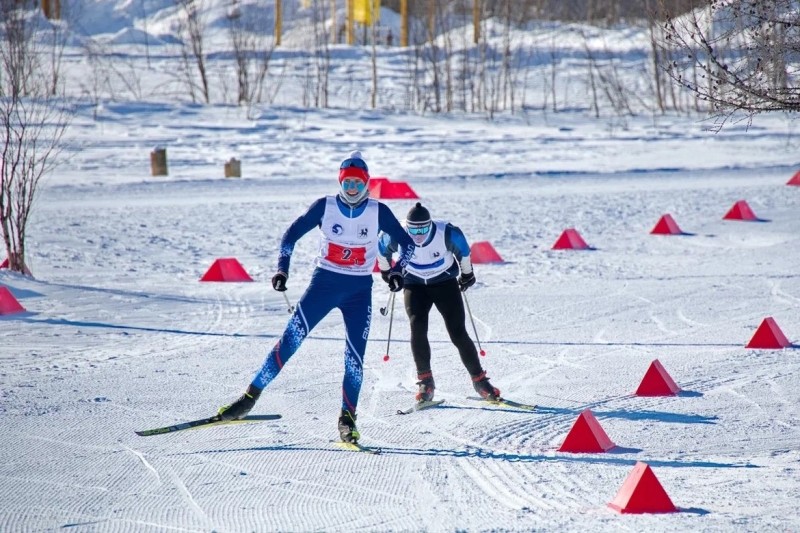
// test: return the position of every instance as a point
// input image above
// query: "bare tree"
(592, 67)
(374, 55)
(252, 51)
(322, 53)
(193, 28)
(745, 53)
(33, 119)
(97, 83)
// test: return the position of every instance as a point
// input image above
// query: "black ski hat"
(418, 216)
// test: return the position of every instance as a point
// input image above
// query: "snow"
(119, 334)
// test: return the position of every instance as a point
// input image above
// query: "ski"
(356, 447)
(502, 402)
(419, 406)
(205, 422)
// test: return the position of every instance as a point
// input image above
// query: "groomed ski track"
(120, 335)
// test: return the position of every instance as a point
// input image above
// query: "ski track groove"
(25, 521)
(513, 484)
(187, 497)
(298, 497)
(694, 328)
(496, 478)
(144, 461)
(781, 296)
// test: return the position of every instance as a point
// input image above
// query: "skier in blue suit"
(437, 273)
(349, 223)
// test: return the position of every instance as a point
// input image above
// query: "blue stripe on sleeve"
(305, 223)
(386, 247)
(388, 223)
(456, 242)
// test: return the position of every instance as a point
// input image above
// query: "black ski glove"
(385, 275)
(395, 281)
(279, 282)
(465, 281)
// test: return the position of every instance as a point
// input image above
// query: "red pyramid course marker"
(642, 493)
(570, 239)
(586, 436)
(375, 186)
(226, 269)
(657, 382)
(483, 252)
(8, 304)
(4, 264)
(666, 225)
(740, 211)
(795, 179)
(386, 189)
(769, 335)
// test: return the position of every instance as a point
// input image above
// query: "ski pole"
(385, 310)
(288, 303)
(480, 350)
(391, 319)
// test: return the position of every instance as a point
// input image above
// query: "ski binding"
(502, 402)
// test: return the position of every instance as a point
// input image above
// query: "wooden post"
(158, 162)
(278, 22)
(403, 22)
(476, 21)
(233, 168)
(51, 9)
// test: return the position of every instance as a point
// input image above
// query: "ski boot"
(484, 388)
(347, 427)
(239, 409)
(426, 387)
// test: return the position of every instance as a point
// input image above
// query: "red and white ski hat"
(354, 167)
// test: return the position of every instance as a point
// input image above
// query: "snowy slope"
(120, 335)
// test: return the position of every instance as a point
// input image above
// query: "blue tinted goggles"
(419, 230)
(353, 184)
(358, 163)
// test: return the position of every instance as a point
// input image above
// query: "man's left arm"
(389, 224)
(457, 243)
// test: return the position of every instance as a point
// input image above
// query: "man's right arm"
(302, 225)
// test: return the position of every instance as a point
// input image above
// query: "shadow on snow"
(490, 455)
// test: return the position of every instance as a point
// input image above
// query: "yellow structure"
(366, 12)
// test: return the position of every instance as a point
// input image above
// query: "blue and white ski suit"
(342, 278)
(431, 279)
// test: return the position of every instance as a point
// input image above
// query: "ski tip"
(356, 447)
(150, 432)
(420, 406)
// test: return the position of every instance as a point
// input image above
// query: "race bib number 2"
(343, 255)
